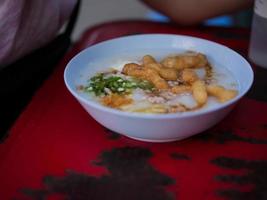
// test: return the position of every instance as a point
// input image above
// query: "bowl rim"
(167, 115)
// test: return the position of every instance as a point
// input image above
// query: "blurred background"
(98, 11)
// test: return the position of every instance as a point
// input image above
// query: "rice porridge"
(177, 83)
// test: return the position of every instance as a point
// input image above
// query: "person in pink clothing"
(30, 48)
(26, 25)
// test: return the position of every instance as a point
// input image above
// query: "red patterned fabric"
(57, 151)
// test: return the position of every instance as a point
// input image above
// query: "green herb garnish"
(103, 85)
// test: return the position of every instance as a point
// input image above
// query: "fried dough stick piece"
(186, 60)
(188, 76)
(199, 92)
(221, 93)
(169, 74)
(179, 89)
(148, 74)
(148, 59)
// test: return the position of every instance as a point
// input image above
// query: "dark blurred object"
(240, 19)
(243, 19)
(258, 39)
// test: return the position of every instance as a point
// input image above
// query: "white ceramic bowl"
(154, 127)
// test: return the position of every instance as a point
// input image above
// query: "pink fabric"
(28, 24)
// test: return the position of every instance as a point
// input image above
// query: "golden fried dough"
(187, 60)
(169, 74)
(221, 93)
(189, 76)
(179, 89)
(171, 62)
(148, 74)
(153, 76)
(199, 92)
(130, 68)
(147, 59)
(155, 66)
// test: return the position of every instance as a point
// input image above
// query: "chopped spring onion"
(101, 84)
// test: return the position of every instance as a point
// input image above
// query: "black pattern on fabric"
(224, 136)
(130, 176)
(112, 135)
(255, 175)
